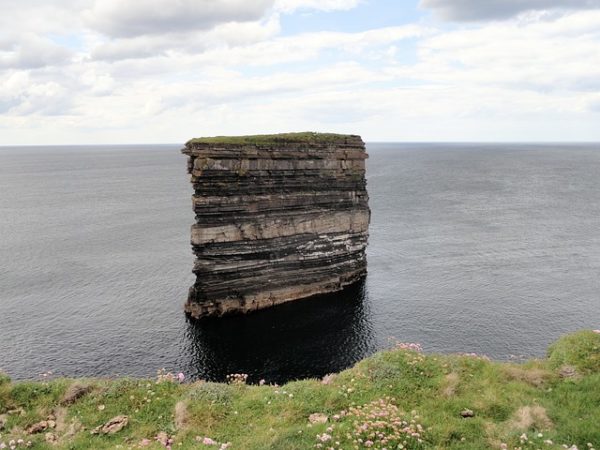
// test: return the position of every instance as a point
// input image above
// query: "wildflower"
(317, 418)
(597, 331)
(327, 379)
(237, 378)
(409, 346)
(324, 437)
(208, 441)
(378, 424)
(162, 376)
(180, 377)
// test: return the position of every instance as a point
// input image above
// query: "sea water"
(492, 248)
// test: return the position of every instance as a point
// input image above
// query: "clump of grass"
(400, 398)
(210, 392)
(579, 350)
(4, 379)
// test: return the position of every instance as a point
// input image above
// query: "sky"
(164, 71)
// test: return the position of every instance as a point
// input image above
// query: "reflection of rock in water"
(304, 339)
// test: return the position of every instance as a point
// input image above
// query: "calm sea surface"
(492, 249)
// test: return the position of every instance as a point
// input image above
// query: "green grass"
(390, 395)
(580, 351)
(272, 139)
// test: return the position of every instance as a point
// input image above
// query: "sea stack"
(278, 218)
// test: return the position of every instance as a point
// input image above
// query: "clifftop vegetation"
(396, 399)
(269, 139)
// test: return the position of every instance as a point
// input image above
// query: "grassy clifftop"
(396, 399)
(272, 139)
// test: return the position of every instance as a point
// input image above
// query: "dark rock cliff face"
(278, 218)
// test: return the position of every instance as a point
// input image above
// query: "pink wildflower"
(180, 377)
(324, 437)
(208, 441)
(409, 346)
(597, 331)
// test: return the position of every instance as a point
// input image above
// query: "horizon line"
(468, 142)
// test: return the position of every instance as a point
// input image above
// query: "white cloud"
(289, 6)
(594, 104)
(221, 36)
(29, 51)
(473, 10)
(120, 18)
(169, 80)
(308, 46)
(546, 56)
(22, 95)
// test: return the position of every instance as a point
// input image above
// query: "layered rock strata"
(278, 218)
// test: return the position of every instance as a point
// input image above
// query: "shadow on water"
(303, 339)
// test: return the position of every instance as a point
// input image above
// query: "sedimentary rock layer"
(278, 218)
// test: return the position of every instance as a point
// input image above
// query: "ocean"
(486, 248)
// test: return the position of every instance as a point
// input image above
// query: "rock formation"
(278, 218)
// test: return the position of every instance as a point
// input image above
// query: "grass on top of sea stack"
(308, 137)
(396, 399)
